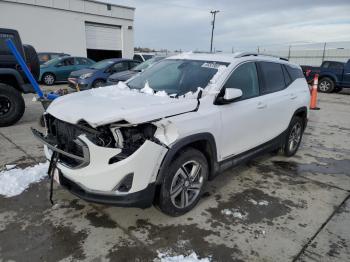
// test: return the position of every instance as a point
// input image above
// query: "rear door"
(81, 62)
(346, 76)
(276, 99)
(119, 67)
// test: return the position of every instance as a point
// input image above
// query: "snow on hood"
(111, 104)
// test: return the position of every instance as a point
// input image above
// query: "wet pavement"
(272, 209)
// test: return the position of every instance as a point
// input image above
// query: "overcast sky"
(244, 25)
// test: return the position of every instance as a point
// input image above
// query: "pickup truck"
(13, 82)
(333, 76)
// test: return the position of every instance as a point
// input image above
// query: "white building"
(77, 27)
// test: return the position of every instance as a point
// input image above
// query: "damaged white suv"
(160, 136)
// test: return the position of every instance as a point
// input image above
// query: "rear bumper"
(140, 199)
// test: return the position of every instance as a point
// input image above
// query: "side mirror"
(231, 94)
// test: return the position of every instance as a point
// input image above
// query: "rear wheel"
(32, 60)
(11, 105)
(48, 79)
(326, 85)
(182, 186)
(293, 137)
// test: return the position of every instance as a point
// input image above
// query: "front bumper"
(76, 83)
(141, 199)
(95, 179)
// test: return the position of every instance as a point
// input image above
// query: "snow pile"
(260, 203)
(121, 85)
(161, 93)
(181, 258)
(234, 213)
(13, 182)
(192, 94)
(147, 89)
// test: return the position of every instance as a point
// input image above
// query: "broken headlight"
(131, 138)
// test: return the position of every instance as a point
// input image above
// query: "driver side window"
(245, 78)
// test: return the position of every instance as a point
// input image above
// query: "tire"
(48, 79)
(294, 136)
(337, 89)
(326, 85)
(178, 182)
(11, 105)
(32, 60)
(98, 83)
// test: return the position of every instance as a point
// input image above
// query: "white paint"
(13, 182)
(112, 104)
(263, 203)
(54, 27)
(181, 258)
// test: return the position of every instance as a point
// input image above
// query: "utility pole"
(324, 51)
(289, 52)
(213, 12)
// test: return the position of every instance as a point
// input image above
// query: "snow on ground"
(260, 203)
(14, 181)
(234, 213)
(181, 258)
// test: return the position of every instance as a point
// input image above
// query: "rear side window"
(287, 79)
(294, 72)
(273, 77)
(245, 77)
(335, 65)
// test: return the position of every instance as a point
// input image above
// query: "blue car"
(97, 74)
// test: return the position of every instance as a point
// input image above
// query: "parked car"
(47, 56)
(333, 76)
(133, 145)
(123, 76)
(97, 74)
(13, 82)
(58, 69)
(142, 57)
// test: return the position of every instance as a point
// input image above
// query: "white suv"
(161, 135)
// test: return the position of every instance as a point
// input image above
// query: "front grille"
(64, 134)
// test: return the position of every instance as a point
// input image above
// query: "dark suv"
(13, 81)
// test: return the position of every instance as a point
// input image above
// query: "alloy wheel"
(49, 79)
(186, 184)
(294, 137)
(324, 86)
(5, 105)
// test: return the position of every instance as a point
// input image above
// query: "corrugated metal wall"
(312, 57)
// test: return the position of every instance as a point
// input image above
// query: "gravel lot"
(272, 209)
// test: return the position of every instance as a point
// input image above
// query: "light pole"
(213, 12)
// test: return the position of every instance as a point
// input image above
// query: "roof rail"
(244, 54)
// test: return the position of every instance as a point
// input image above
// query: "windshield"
(102, 64)
(148, 63)
(176, 76)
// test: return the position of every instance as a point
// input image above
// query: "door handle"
(293, 96)
(261, 105)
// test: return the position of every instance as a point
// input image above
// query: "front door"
(241, 120)
(64, 68)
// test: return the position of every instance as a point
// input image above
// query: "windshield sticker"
(211, 65)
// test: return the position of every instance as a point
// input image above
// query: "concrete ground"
(291, 209)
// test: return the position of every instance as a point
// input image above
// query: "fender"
(299, 111)
(14, 73)
(19, 84)
(182, 143)
(329, 75)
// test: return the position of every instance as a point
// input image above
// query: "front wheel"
(182, 186)
(11, 105)
(98, 83)
(326, 85)
(49, 79)
(293, 137)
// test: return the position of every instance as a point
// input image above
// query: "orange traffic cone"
(313, 102)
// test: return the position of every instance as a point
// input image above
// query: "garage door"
(103, 37)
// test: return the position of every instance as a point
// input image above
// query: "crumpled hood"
(111, 104)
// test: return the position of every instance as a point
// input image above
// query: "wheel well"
(10, 80)
(46, 74)
(327, 76)
(302, 113)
